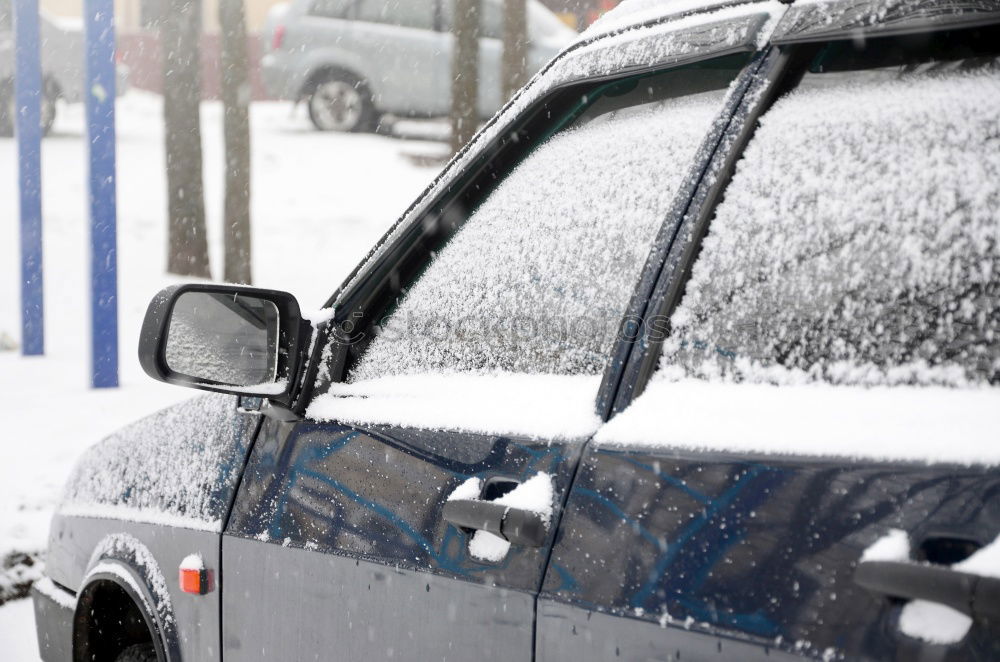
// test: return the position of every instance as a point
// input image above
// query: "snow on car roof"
(632, 13)
(809, 20)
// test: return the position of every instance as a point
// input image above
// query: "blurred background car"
(62, 66)
(353, 61)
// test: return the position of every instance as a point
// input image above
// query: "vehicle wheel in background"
(138, 653)
(7, 110)
(341, 102)
(49, 106)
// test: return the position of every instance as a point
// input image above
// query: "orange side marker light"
(194, 578)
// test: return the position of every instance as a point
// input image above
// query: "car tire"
(49, 106)
(138, 653)
(341, 102)
(7, 111)
(6, 108)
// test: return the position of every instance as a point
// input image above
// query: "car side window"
(490, 18)
(410, 14)
(331, 8)
(858, 242)
(538, 278)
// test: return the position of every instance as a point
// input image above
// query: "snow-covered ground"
(319, 203)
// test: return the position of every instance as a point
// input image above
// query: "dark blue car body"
(328, 540)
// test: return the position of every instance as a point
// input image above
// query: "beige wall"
(127, 12)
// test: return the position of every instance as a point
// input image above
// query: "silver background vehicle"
(62, 67)
(355, 60)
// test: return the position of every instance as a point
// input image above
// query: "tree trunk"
(180, 31)
(515, 46)
(236, 125)
(464, 73)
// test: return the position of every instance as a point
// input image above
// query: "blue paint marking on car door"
(341, 530)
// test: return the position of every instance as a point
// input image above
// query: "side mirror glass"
(225, 338)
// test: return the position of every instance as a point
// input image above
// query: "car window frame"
(666, 283)
(359, 6)
(349, 12)
(353, 300)
(505, 153)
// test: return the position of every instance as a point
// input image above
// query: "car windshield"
(858, 242)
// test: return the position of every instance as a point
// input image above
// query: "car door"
(823, 405)
(474, 381)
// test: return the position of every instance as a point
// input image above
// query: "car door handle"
(975, 596)
(516, 525)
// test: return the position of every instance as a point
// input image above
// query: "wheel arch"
(329, 69)
(52, 86)
(123, 578)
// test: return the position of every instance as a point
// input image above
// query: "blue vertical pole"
(27, 122)
(99, 93)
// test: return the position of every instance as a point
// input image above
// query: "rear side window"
(859, 241)
(331, 8)
(538, 277)
(490, 18)
(406, 13)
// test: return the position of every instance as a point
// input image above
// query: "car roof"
(807, 20)
(633, 13)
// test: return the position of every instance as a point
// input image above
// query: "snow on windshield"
(537, 279)
(177, 466)
(858, 242)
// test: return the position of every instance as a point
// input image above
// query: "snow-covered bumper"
(54, 607)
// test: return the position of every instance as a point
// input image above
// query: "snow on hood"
(177, 467)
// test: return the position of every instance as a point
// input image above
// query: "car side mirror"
(224, 338)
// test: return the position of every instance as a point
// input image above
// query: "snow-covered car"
(693, 353)
(62, 53)
(353, 61)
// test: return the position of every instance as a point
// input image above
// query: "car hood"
(180, 465)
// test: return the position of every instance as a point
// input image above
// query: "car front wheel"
(341, 103)
(8, 109)
(138, 653)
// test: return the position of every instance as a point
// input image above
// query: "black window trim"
(769, 81)
(698, 196)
